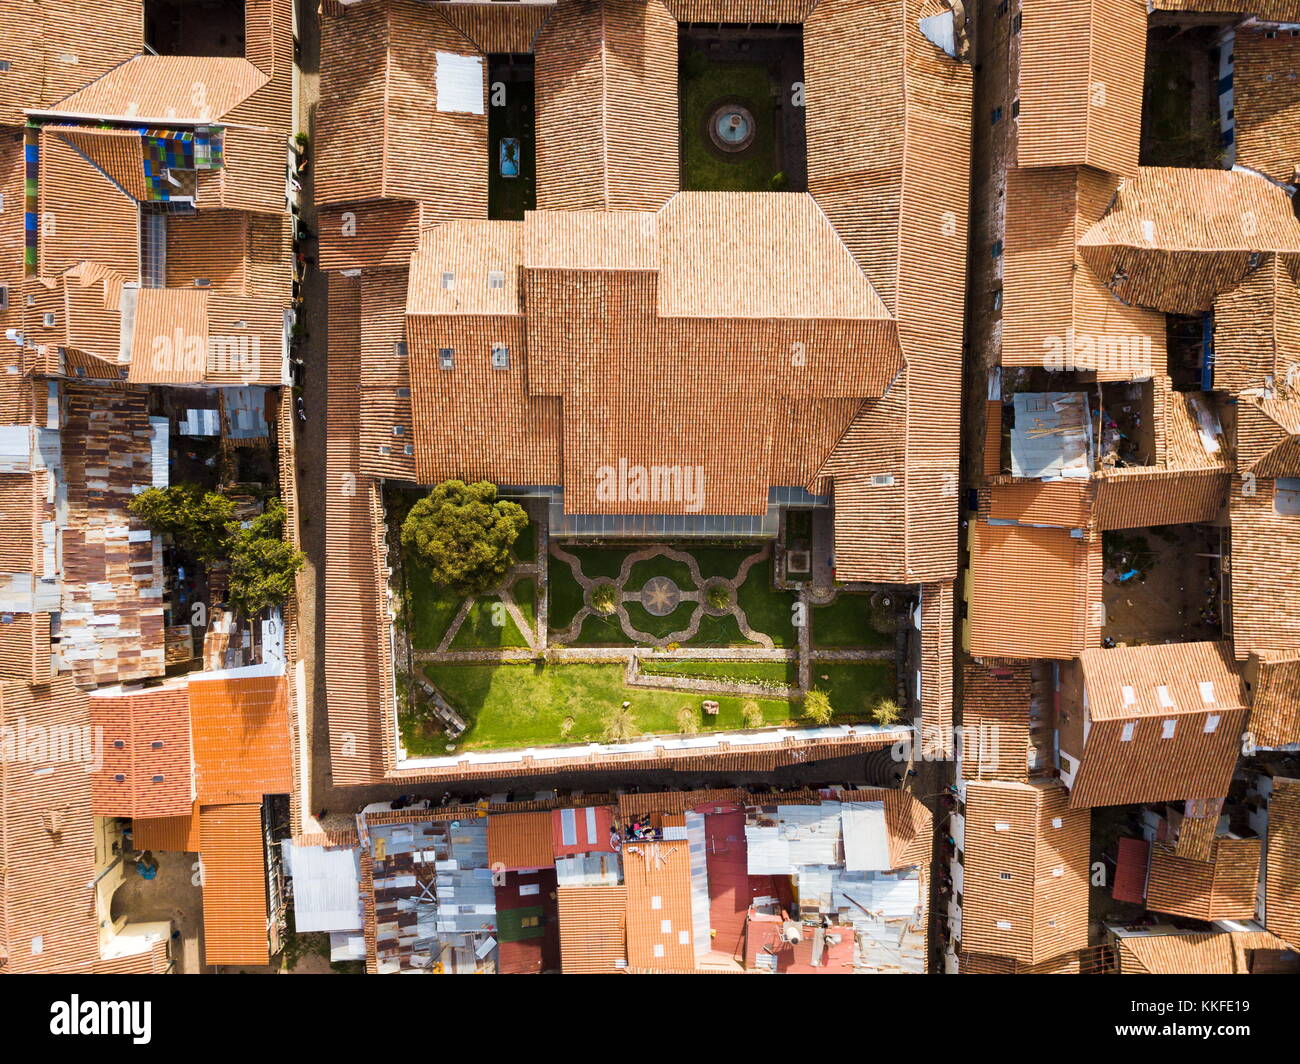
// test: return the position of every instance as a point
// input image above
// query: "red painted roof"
(582, 830)
(1131, 871)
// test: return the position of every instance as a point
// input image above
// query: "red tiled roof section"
(1222, 888)
(1282, 862)
(1033, 592)
(995, 721)
(55, 48)
(234, 884)
(592, 934)
(1060, 503)
(169, 339)
(788, 11)
(520, 840)
(1025, 872)
(241, 737)
(607, 107)
(1125, 683)
(153, 727)
(47, 837)
(1265, 603)
(660, 928)
(1266, 102)
(1178, 237)
(119, 153)
(168, 834)
(1257, 327)
(166, 88)
(1274, 678)
(1081, 68)
(378, 113)
(1056, 312)
(1268, 436)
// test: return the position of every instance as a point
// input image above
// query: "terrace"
(1162, 584)
(589, 643)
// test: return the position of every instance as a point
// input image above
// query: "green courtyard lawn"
(527, 704)
(524, 591)
(660, 565)
(784, 672)
(706, 83)
(487, 627)
(850, 621)
(429, 608)
(645, 621)
(769, 611)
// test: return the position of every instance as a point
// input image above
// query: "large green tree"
(197, 520)
(464, 533)
(262, 563)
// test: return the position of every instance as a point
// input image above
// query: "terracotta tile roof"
(1056, 313)
(1265, 102)
(234, 884)
(592, 935)
(1257, 327)
(169, 338)
(168, 834)
(1177, 237)
(788, 11)
(353, 606)
(629, 380)
(55, 48)
(117, 153)
(1164, 724)
(1060, 503)
(1265, 567)
(520, 840)
(883, 100)
(47, 838)
(581, 830)
(938, 605)
(1274, 679)
(1081, 68)
(1282, 862)
(1191, 952)
(166, 88)
(241, 737)
(378, 113)
(385, 378)
(607, 107)
(380, 235)
(1222, 888)
(1268, 436)
(1032, 591)
(660, 927)
(96, 220)
(150, 774)
(1026, 832)
(499, 27)
(995, 720)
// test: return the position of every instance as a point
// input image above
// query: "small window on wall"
(446, 358)
(1286, 495)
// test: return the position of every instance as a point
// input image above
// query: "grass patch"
(488, 625)
(598, 561)
(660, 565)
(645, 621)
(430, 607)
(769, 611)
(850, 621)
(564, 595)
(706, 83)
(526, 704)
(721, 631)
(524, 592)
(854, 688)
(721, 561)
(525, 547)
(784, 672)
(603, 631)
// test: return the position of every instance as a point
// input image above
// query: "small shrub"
(886, 711)
(817, 706)
(566, 726)
(620, 725)
(752, 714)
(604, 598)
(688, 723)
(719, 597)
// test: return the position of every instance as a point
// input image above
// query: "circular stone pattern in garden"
(731, 127)
(660, 596)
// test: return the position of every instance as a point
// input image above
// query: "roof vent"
(448, 281)
(118, 744)
(49, 319)
(500, 356)
(446, 358)
(1207, 692)
(156, 744)
(399, 349)
(882, 480)
(202, 282)
(157, 779)
(120, 778)
(496, 279)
